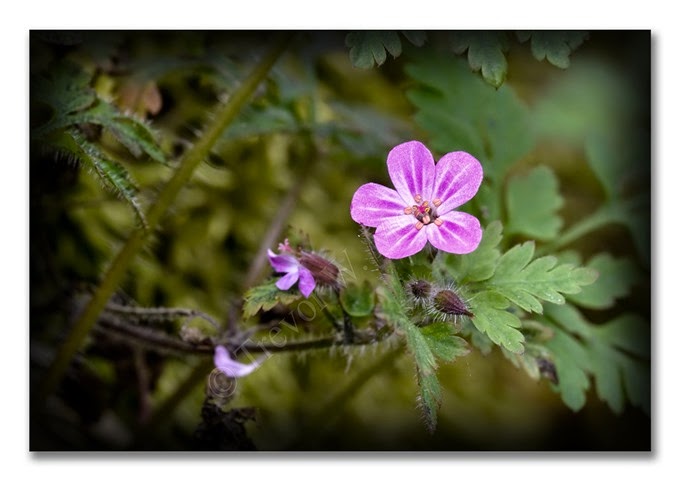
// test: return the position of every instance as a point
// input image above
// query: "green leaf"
(460, 111)
(478, 265)
(608, 381)
(570, 319)
(66, 88)
(571, 362)
(492, 318)
(532, 202)
(616, 279)
(113, 175)
(368, 48)
(443, 342)
(554, 45)
(266, 296)
(358, 300)
(132, 133)
(416, 37)
(526, 282)
(628, 332)
(485, 53)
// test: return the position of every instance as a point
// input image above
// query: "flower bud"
(420, 289)
(447, 302)
(324, 271)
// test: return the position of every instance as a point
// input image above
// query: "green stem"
(135, 242)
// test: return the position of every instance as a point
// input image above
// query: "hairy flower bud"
(324, 271)
(420, 289)
(447, 302)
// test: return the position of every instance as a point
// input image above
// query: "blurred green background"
(316, 130)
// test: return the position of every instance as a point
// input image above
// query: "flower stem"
(135, 242)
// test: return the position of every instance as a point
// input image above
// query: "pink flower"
(295, 272)
(421, 209)
(230, 367)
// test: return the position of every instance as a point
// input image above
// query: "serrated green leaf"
(358, 300)
(526, 282)
(132, 133)
(113, 175)
(637, 383)
(478, 265)
(571, 362)
(368, 48)
(443, 342)
(532, 202)
(492, 318)
(569, 318)
(416, 37)
(608, 381)
(616, 279)
(266, 296)
(66, 88)
(460, 111)
(554, 45)
(485, 53)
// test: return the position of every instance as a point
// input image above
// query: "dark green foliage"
(553, 45)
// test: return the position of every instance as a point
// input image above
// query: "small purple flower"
(230, 367)
(295, 272)
(421, 209)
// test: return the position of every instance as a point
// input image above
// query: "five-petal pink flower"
(421, 209)
(229, 366)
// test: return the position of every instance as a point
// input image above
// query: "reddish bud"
(323, 270)
(448, 302)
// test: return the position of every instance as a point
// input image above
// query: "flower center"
(424, 211)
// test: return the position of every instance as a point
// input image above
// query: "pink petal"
(397, 237)
(287, 281)
(411, 168)
(459, 233)
(307, 282)
(282, 262)
(457, 180)
(374, 202)
(230, 367)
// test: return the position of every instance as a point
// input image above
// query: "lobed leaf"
(266, 296)
(460, 111)
(478, 265)
(492, 318)
(572, 363)
(526, 282)
(485, 52)
(443, 342)
(616, 279)
(556, 46)
(532, 203)
(357, 299)
(368, 48)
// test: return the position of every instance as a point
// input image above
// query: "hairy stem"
(166, 197)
